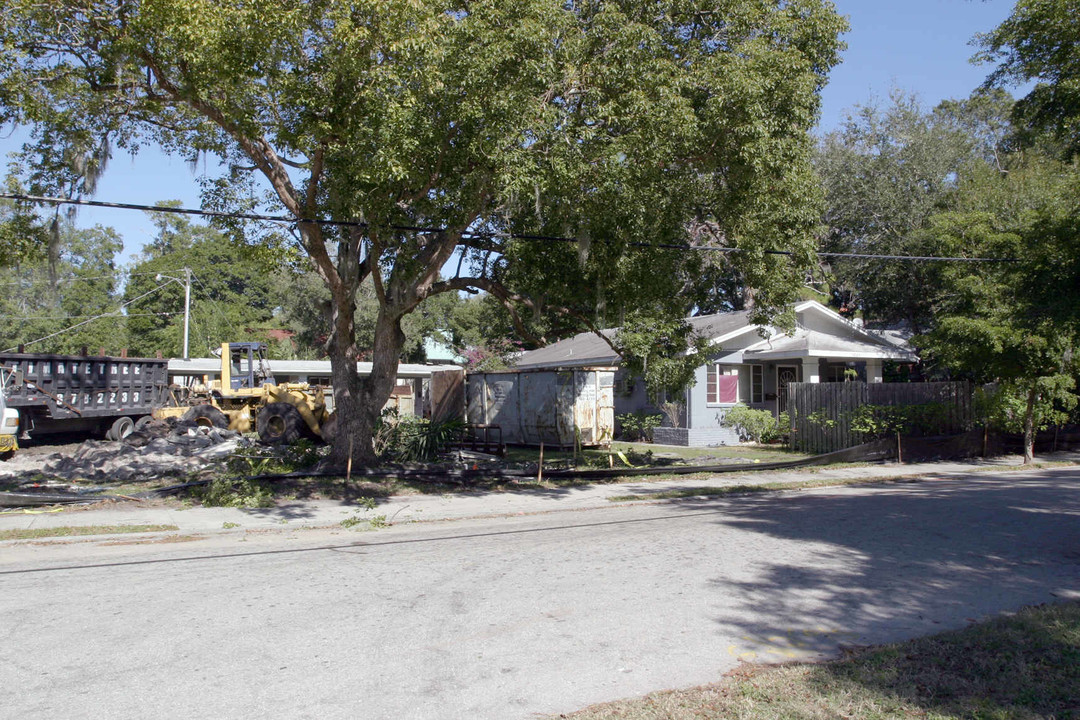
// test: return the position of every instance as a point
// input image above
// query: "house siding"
(705, 420)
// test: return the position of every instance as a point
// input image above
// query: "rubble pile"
(157, 449)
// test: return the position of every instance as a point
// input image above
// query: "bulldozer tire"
(280, 424)
(207, 416)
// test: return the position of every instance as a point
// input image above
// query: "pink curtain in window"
(727, 388)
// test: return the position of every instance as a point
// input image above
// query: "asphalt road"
(512, 617)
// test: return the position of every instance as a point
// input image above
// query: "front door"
(784, 374)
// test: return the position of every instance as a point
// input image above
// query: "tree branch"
(510, 300)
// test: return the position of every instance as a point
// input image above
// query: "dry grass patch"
(1024, 666)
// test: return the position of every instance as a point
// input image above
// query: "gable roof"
(587, 349)
(815, 344)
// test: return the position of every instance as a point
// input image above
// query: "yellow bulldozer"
(246, 397)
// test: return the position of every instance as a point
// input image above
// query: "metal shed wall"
(555, 407)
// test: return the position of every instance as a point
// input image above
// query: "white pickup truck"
(9, 421)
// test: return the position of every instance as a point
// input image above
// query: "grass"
(76, 530)
(660, 454)
(1025, 666)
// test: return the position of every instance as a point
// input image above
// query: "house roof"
(589, 349)
(848, 343)
(813, 343)
(585, 348)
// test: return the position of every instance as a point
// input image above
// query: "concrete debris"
(157, 449)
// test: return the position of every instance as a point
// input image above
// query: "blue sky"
(919, 46)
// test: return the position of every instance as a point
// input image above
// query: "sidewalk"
(459, 505)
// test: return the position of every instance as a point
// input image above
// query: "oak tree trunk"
(358, 401)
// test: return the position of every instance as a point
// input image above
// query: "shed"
(555, 407)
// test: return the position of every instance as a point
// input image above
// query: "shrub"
(877, 421)
(236, 493)
(406, 438)
(757, 425)
(639, 425)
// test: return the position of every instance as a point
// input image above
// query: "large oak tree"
(444, 127)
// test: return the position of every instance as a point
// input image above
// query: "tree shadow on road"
(890, 562)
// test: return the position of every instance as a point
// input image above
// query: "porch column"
(811, 370)
(873, 371)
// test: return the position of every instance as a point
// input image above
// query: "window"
(757, 384)
(723, 385)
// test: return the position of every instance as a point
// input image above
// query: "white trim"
(734, 334)
(834, 356)
(828, 312)
(735, 372)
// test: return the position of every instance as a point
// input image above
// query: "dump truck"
(246, 397)
(112, 396)
(100, 395)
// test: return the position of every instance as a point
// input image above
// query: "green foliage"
(274, 460)
(232, 295)
(822, 418)
(1004, 406)
(23, 236)
(305, 302)
(755, 425)
(407, 438)
(355, 520)
(235, 492)
(664, 351)
(302, 454)
(878, 421)
(51, 307)
(639, 425)
(1014, 323)
(886, 172)
(1040, 41)
(606, 122)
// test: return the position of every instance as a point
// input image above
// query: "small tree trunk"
(1029, 426)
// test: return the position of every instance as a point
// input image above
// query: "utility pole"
(187, 310)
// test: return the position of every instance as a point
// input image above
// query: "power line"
(217, 308)
(114, 314)
(76, 278)
(80, 317)
(469, 234)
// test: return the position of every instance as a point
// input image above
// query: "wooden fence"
(821, 413)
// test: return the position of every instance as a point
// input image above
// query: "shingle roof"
(812, 343)
(588, 349)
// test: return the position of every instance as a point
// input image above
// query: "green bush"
(639, 425)
(756, 425)
(877, 421)
(236, 493)
(407, 438)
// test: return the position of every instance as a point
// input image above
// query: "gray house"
(751, 365)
